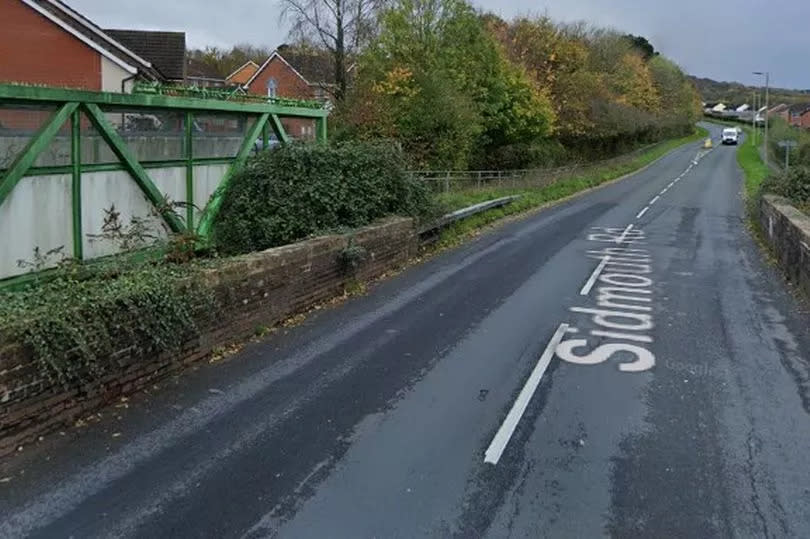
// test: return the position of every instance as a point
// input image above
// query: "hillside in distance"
(712, 91)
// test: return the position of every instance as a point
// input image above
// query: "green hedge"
(288, 193)
(793, 184)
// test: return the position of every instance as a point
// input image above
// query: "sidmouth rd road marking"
(642, 212)
(504, 434)
(655, 199)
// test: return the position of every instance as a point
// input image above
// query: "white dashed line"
(655, 199)
(663, 191)
(642, 212)
(498, 444)
(594, 276)
(624, 234)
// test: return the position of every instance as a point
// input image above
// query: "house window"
(272, 88)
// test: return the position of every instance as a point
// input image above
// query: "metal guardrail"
(469, 211)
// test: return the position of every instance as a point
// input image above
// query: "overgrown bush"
(74, 323)
(289, 193)
(793, 184)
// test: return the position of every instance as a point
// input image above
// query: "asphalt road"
(675, 405)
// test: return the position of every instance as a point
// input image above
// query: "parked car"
(730, 135)
(272, 142)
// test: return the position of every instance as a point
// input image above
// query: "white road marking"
(504, 434)
(663, 191)
(594, 276)
(642, 212)
(624, 234)
(655, 199)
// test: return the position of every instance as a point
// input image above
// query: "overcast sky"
(720, 40)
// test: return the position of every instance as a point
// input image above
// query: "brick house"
(47, 42)
(243, 74)
(295, 74)
(798, 115)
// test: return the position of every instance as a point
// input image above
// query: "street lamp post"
(767, 107)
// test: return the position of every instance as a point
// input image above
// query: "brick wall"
(35, 50)
(260, 289)
(289, 84)
(788, 232)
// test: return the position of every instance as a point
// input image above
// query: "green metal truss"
(119, 147)
(211, 210)
(40, 94)
(35, 146)
(70, 104)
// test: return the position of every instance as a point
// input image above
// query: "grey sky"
(721, 40)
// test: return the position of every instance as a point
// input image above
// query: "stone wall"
(255, 290)
(788, 231)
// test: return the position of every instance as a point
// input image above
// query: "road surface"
(623, 364)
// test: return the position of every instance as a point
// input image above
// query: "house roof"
(274, 54)
(799, 108)
(96, 38)
(314, 67)
(244, 73)
(200, 70)
(165, 50)
(779, 108)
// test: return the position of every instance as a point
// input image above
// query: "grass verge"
(538, 196)
(750, 161)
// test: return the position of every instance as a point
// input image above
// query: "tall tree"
(342, 27)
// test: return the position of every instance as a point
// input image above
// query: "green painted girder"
(11, 93)
(35, 146)
(212, 208)
(189, 150)
(76, 184)
(136, 170)
(278, 129)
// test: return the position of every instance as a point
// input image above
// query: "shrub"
(793, 184)
(291, 192)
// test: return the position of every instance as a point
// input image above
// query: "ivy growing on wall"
(75, 323)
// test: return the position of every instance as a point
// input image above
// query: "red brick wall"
(33, 49)
(804, 121)
(260, 289)
(289, 84)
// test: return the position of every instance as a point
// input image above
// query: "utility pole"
(767, 106)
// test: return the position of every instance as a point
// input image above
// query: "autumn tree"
(459, 85)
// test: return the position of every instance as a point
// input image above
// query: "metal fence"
(448, 181)
(70, 158)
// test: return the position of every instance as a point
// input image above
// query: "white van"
(730, 135)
